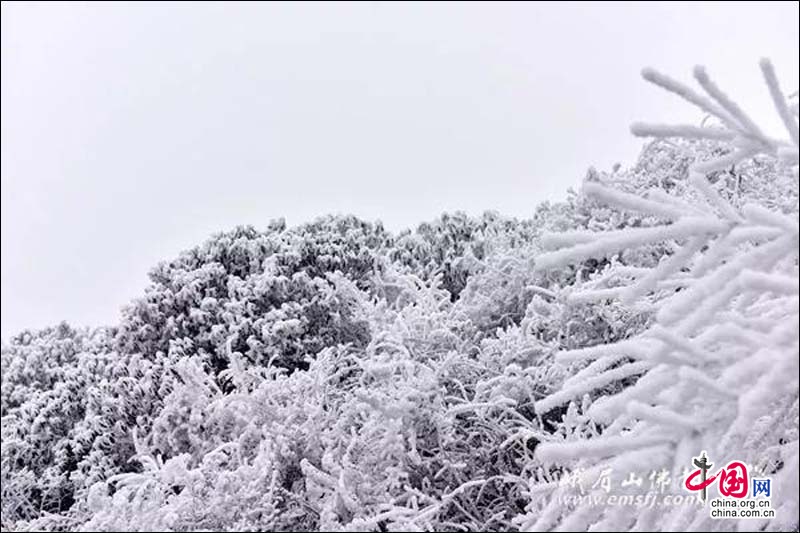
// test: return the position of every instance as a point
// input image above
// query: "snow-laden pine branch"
(704, 383)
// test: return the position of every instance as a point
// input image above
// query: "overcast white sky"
(132, 132)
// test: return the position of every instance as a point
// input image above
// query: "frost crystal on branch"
(714, 375)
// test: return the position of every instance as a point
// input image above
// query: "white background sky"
(132, 132)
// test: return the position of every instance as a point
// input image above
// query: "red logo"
(732, 479)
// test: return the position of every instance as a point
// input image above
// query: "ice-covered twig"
(722, 353)
(781, 105)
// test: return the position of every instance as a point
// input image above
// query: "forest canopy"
(338, 376)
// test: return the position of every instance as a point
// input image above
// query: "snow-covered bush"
(46, 376)
(454, 246)
(264, 295)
